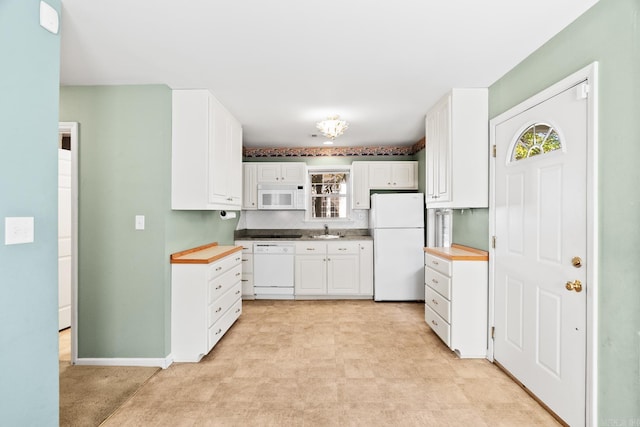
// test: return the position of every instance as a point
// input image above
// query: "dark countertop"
(301, 234)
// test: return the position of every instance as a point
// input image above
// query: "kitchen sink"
(326, 236)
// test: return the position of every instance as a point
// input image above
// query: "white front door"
(540, 255)
(64, 239)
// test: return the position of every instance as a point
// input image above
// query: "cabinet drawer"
(219, 285)
(439, 264)
(222, 304)
(437, 303)
(218, 329)
(219, 267)
(438, 325)
(247, 263)
(438, 282)
(343, 248)
(310, 248)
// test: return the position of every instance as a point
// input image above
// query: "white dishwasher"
(273, 270)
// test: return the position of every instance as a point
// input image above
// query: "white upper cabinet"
(360, 185)
(206, 156)
(282, 173)
(249, 186)
(457, 150)
(383, 175)
(393, 175)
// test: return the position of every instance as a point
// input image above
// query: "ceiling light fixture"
(333, 127)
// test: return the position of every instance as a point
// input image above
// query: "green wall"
(124, 275)
(29, 187)
(471, 227)
(607, 33)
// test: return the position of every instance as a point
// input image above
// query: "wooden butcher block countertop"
(203, 254)
(459, 252)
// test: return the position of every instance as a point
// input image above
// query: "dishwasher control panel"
(273, 248)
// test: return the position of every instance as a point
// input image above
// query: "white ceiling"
(280, 66)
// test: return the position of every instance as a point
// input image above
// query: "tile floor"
(331, 363)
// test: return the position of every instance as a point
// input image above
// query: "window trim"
(346, 169)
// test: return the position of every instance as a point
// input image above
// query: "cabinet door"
(218, 158)
(343, 274)
(432, 143)
(268, 172)
(443, 181)
(379, 175)
(404, 175)
(360, 185)
(438, 164)
(366, 268)
(234, 172)
(293, 173)
(249, 186)
(311, 275)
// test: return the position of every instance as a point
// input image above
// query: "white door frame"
(590, 74)
(72, 129)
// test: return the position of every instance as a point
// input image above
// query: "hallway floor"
(331, 363)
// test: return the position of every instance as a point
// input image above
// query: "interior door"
(540, 253)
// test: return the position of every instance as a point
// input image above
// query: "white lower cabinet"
(205, 302)
(456, 293)
(248, 292)
(329, 269)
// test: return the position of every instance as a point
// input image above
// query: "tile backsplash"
(297, 220)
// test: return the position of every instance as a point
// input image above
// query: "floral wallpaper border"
(408, 150)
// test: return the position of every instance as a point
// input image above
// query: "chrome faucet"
(326, 230)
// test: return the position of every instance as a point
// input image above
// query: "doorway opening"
(68, 237)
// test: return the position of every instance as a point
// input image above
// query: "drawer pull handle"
(342, 249)
(434, 262)
(434, 281)
(219, 309)
(237, 310)
(238, 274)
(434, 301)
(219, 330)
(218, 287)
(245, 259)
(237, 292)
(244, 280)
(311, 249)
(238, 259)
(218, 268)
(434, 322)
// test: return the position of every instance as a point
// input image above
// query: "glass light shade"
(333, 127)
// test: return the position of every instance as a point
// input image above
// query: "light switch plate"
(139, 222)
(18, 230)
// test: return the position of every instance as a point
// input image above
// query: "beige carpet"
(89, 394)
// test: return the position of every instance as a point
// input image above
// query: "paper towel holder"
(224, 215)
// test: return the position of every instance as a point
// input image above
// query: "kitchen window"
(329, 194)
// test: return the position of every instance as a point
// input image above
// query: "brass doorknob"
(576, 285)
(576, 261)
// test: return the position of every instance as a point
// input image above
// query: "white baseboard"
(124, 361)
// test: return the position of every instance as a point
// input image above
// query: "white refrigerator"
(396, 222)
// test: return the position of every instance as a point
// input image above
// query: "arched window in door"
(539, 138)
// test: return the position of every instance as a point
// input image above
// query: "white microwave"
(281, 196)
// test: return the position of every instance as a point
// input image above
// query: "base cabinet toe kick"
(206, 300)
(456, 293)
